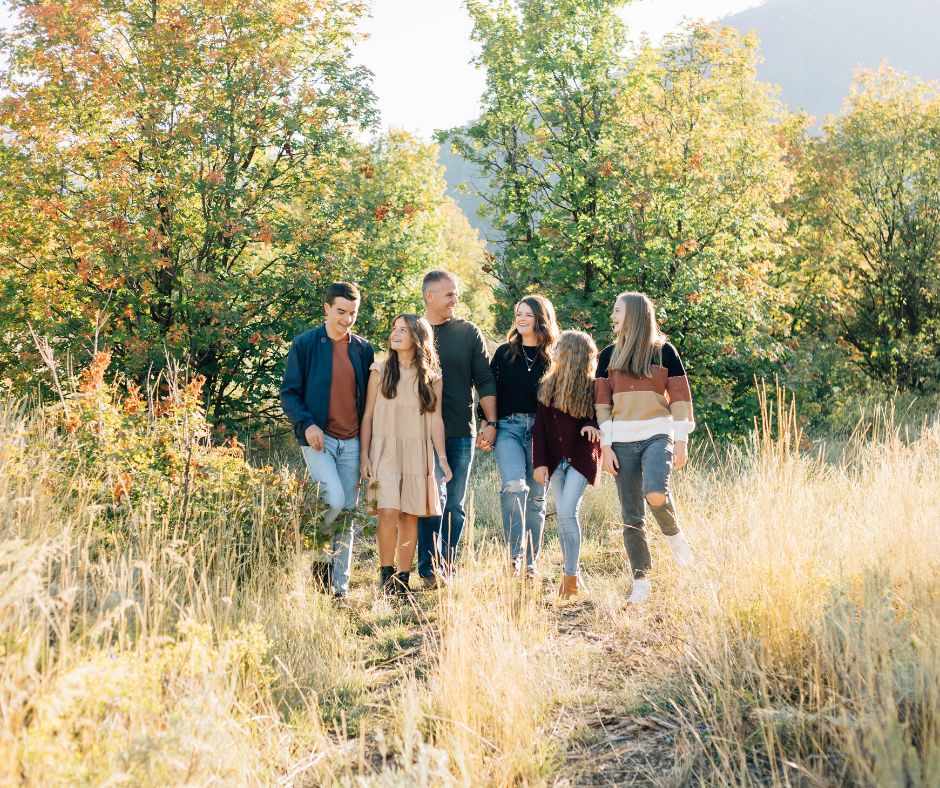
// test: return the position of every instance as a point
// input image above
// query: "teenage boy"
(324, 395)
(465, 366)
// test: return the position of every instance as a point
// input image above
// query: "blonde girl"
(565, 446)
(644, 407)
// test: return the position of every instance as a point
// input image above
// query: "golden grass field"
(802, 649)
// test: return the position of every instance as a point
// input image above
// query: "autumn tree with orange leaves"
(153, 156)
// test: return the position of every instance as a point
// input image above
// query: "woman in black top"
(518, 366)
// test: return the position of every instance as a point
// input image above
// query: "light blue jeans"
(336, 468)
(521, 497)
(568, 487)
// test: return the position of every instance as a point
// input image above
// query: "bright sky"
(420, 51)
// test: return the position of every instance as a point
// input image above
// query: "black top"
(465, 365)
(667, 357)
(517, 386)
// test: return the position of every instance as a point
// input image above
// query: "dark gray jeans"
(644, 468)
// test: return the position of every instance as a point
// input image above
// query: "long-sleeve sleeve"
(292, 389)
(679, 394)
(540, 439)
(483, 380)
(604, 408)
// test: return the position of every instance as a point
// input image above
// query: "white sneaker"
(641, 590)
(681, 550)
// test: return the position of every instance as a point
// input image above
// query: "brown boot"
(568, 587)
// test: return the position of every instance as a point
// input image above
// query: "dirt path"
(603, 742)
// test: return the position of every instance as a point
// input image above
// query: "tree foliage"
(181, 181)
(152, 157)
(661, 173)
(865, 234)
(399, 223)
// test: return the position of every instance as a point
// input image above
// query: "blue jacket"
(305, 392)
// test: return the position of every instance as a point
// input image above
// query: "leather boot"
(568, 587)
(402, 588)
(387, 580)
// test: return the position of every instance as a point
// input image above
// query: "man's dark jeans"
(438, 536)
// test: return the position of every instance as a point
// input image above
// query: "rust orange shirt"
(342, 420)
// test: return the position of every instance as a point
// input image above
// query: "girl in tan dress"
(401, 429)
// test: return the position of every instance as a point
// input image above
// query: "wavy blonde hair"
(569, 383)
(427, 364)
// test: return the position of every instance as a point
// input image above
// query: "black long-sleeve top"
(517, 387)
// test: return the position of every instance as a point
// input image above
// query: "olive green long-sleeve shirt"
(465, 365)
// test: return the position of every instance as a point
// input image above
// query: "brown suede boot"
(568, 587)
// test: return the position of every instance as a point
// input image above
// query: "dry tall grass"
(804, 648)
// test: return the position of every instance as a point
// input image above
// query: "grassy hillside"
(175, 637)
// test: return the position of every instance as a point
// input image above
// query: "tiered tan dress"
(402, 452)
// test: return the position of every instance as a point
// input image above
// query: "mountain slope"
(811, 49)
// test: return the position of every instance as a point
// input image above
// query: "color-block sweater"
(635, 409)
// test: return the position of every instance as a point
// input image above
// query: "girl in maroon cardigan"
(566, 442)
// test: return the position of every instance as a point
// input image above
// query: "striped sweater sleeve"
(678, 393)
(604, 397)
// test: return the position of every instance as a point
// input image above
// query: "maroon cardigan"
(556, 436)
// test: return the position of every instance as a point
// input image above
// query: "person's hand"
(540, 475)
(486, 440)
(680, 453)
(446, 472)
(314, 436)
(592, 434)
(365, 469)
(611, 463)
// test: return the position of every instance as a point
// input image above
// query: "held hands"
(486, 440)
(448, 474)
(680, 454)
(592, 434)
(314, 436)
(540, 475)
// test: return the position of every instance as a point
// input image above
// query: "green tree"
(663, 173)
(865, 244)
(697, 164)
(552, 68)
(398, 222)
(151, 157)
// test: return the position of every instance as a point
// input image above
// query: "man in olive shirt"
(465, 365)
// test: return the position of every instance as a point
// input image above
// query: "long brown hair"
(639, 336)
(427, 365)
(569, 383)
(546, 329)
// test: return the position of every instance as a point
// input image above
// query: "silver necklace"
(529, 363)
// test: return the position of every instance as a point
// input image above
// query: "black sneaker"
(322, 572)
(430, 581)
(341, 599)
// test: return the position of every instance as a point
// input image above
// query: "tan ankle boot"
(568, 587)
